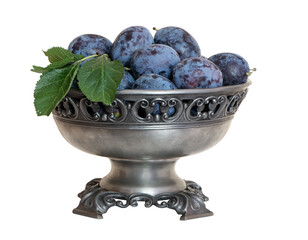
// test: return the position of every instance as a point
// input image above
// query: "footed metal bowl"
(144, 133)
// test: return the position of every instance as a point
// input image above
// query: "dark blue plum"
(87, 45)
(127, 81)
(156, 58)
(234, 68)
(90, 44)
(128, 41)
(197, 72)
(153, 82)
(156, 110)
(180, 40)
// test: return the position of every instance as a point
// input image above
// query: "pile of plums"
(170, 60)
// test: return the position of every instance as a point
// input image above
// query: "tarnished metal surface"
(143, 147)
(151, 177)
(189, 202)
(200, 120)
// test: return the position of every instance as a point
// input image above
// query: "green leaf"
(38, 69)
(52, 87)
(57, 54)
(99, 79)
(55, 65)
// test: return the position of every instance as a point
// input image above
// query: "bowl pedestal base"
(144, 145)
(153, 181)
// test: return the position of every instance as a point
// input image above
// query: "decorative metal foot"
(95, 201)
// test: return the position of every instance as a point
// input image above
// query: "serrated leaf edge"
(39, 113)
(104, 93)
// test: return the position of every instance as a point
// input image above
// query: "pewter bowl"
(143, 147)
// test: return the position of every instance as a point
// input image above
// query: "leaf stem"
(85, 58)
(251, 71)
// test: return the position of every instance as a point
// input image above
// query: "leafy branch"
(98, 78)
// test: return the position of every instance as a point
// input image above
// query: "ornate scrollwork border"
(150, 109)
(95, 201)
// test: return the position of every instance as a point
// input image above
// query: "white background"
(256, 177)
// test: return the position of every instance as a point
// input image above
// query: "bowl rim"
(126, 92)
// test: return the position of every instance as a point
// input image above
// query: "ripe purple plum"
(90, 44)
(234, 68)
(127, 81)
(180, 40)
(154, 59)
(197, 72)
(155, 82)
(128, 41)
